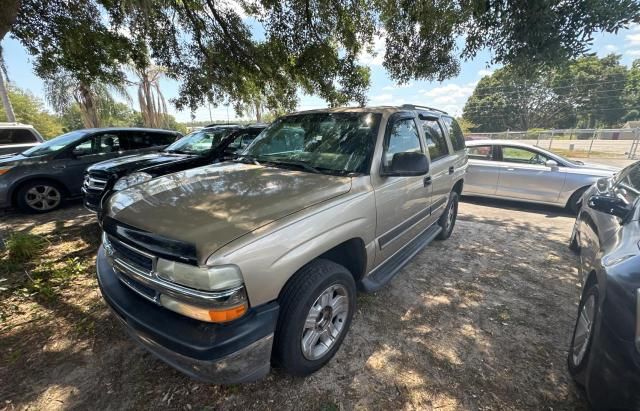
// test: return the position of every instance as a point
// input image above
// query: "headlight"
(217, 278)
(3, 170)
(131, 180)
(229, 306)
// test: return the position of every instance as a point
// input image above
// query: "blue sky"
(449, 95)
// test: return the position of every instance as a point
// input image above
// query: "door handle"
(511, 169)
(59, 167)
(427, 181)
(451, 170)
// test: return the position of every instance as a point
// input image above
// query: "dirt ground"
(480, 321)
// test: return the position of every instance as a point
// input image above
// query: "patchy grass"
(23, 246)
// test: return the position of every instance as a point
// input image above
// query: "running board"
(387, 270)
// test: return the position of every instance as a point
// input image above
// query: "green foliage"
(293, 45)
(586, 92)
(47, 277)
(30, 110)
(21, 246)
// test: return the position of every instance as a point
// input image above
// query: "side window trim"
(393, 119)
(447, 142)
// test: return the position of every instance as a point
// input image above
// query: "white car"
(16, 138)
(516, 171)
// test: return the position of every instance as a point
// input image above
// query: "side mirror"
(610, 205)
(604, 184)
(407, 164)
(551, 164)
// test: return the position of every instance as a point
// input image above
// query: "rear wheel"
(315, 314)
(448, 219)
(581, 342)
(39, 196)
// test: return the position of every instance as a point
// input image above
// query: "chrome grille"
(94, 183)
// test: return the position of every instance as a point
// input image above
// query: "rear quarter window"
(455, 133)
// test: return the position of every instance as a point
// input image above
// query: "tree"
(153, 106)
(507, 100)
(595, 88)
(4, 92)
(311, 46)
(632, 92)
(63, 89)
(30, 110)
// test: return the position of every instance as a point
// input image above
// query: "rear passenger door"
(459, 155)
(441, 167)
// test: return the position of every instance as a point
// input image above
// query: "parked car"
(40, 178)
(515, 171)
(196, 149)
(222, 269)
(16, 137)
(604, 355)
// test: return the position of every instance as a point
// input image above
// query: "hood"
(593, 169)
(8, 159)
(138, 162)
(599, 167)
(213, 205)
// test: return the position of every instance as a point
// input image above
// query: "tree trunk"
(258, 113)
(88, 107)
(8, 15)
(6, 103)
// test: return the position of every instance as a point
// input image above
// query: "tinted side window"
(455, 133)
(522, 155)
(17, 136)
(403, 138)
(480, 152)
(103, 143)
(243, 140)
(436, 142)
(136, 140)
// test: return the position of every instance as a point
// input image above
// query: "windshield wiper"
(178, 152)
(247, 160)
(295, 163)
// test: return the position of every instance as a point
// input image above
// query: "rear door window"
(522, 156)
(455, 133)
(436, 142)
(17, 136)
(140, 139)
(100, 144)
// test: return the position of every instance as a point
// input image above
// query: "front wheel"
(315, 314)
(448, 219)
(39, 196)
(583, 332)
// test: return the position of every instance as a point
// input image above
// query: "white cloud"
(375, 55)
(611, 48)
(382, 99)
(449, 97)
(634, 53)
(633, 39)
(485, 72)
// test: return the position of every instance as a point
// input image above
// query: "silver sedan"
(516, 171)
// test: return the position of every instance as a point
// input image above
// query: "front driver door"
(402, 203)
(524, 176)
(99, 147)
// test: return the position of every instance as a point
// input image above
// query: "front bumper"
(5, 198)
(218, 353)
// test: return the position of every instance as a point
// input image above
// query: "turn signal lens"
(4, 170)
(226, 315)
(229, 308)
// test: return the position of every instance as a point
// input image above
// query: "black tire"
(448, 219)
(24, 196)
(572, 204)
(296, 301)
(578, 369)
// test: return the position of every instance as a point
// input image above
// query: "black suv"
(199, 148)
(40, 178)
(604, 356)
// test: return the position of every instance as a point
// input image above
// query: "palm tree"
(153, 105)
(4, 92)
(64, 89)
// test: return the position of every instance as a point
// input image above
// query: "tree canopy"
(237, 51)
(586, 92)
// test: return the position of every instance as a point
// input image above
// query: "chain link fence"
(621, 143)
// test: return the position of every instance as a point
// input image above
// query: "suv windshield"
(55, 145)
(319, 142)
(200, 142)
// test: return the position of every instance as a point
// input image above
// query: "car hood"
(138, 162)
(596, 170)
(10, 159)
(213, 205)
(599, 167)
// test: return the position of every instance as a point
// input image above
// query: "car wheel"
(572, 204)
(580, 348)
(316, 309)
(39, 196)
(448, 219)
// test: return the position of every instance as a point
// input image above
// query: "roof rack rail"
(415, 106)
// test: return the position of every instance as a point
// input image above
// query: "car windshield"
(333, 143)
(199, 142)
(55, 144)
(627, 183)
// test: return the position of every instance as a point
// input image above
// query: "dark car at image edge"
(202, 147)
(604, 354)
(39, 179)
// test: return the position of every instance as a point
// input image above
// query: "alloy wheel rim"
(584, 328)
(325, 322)
(451, 214)
(43, 197)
